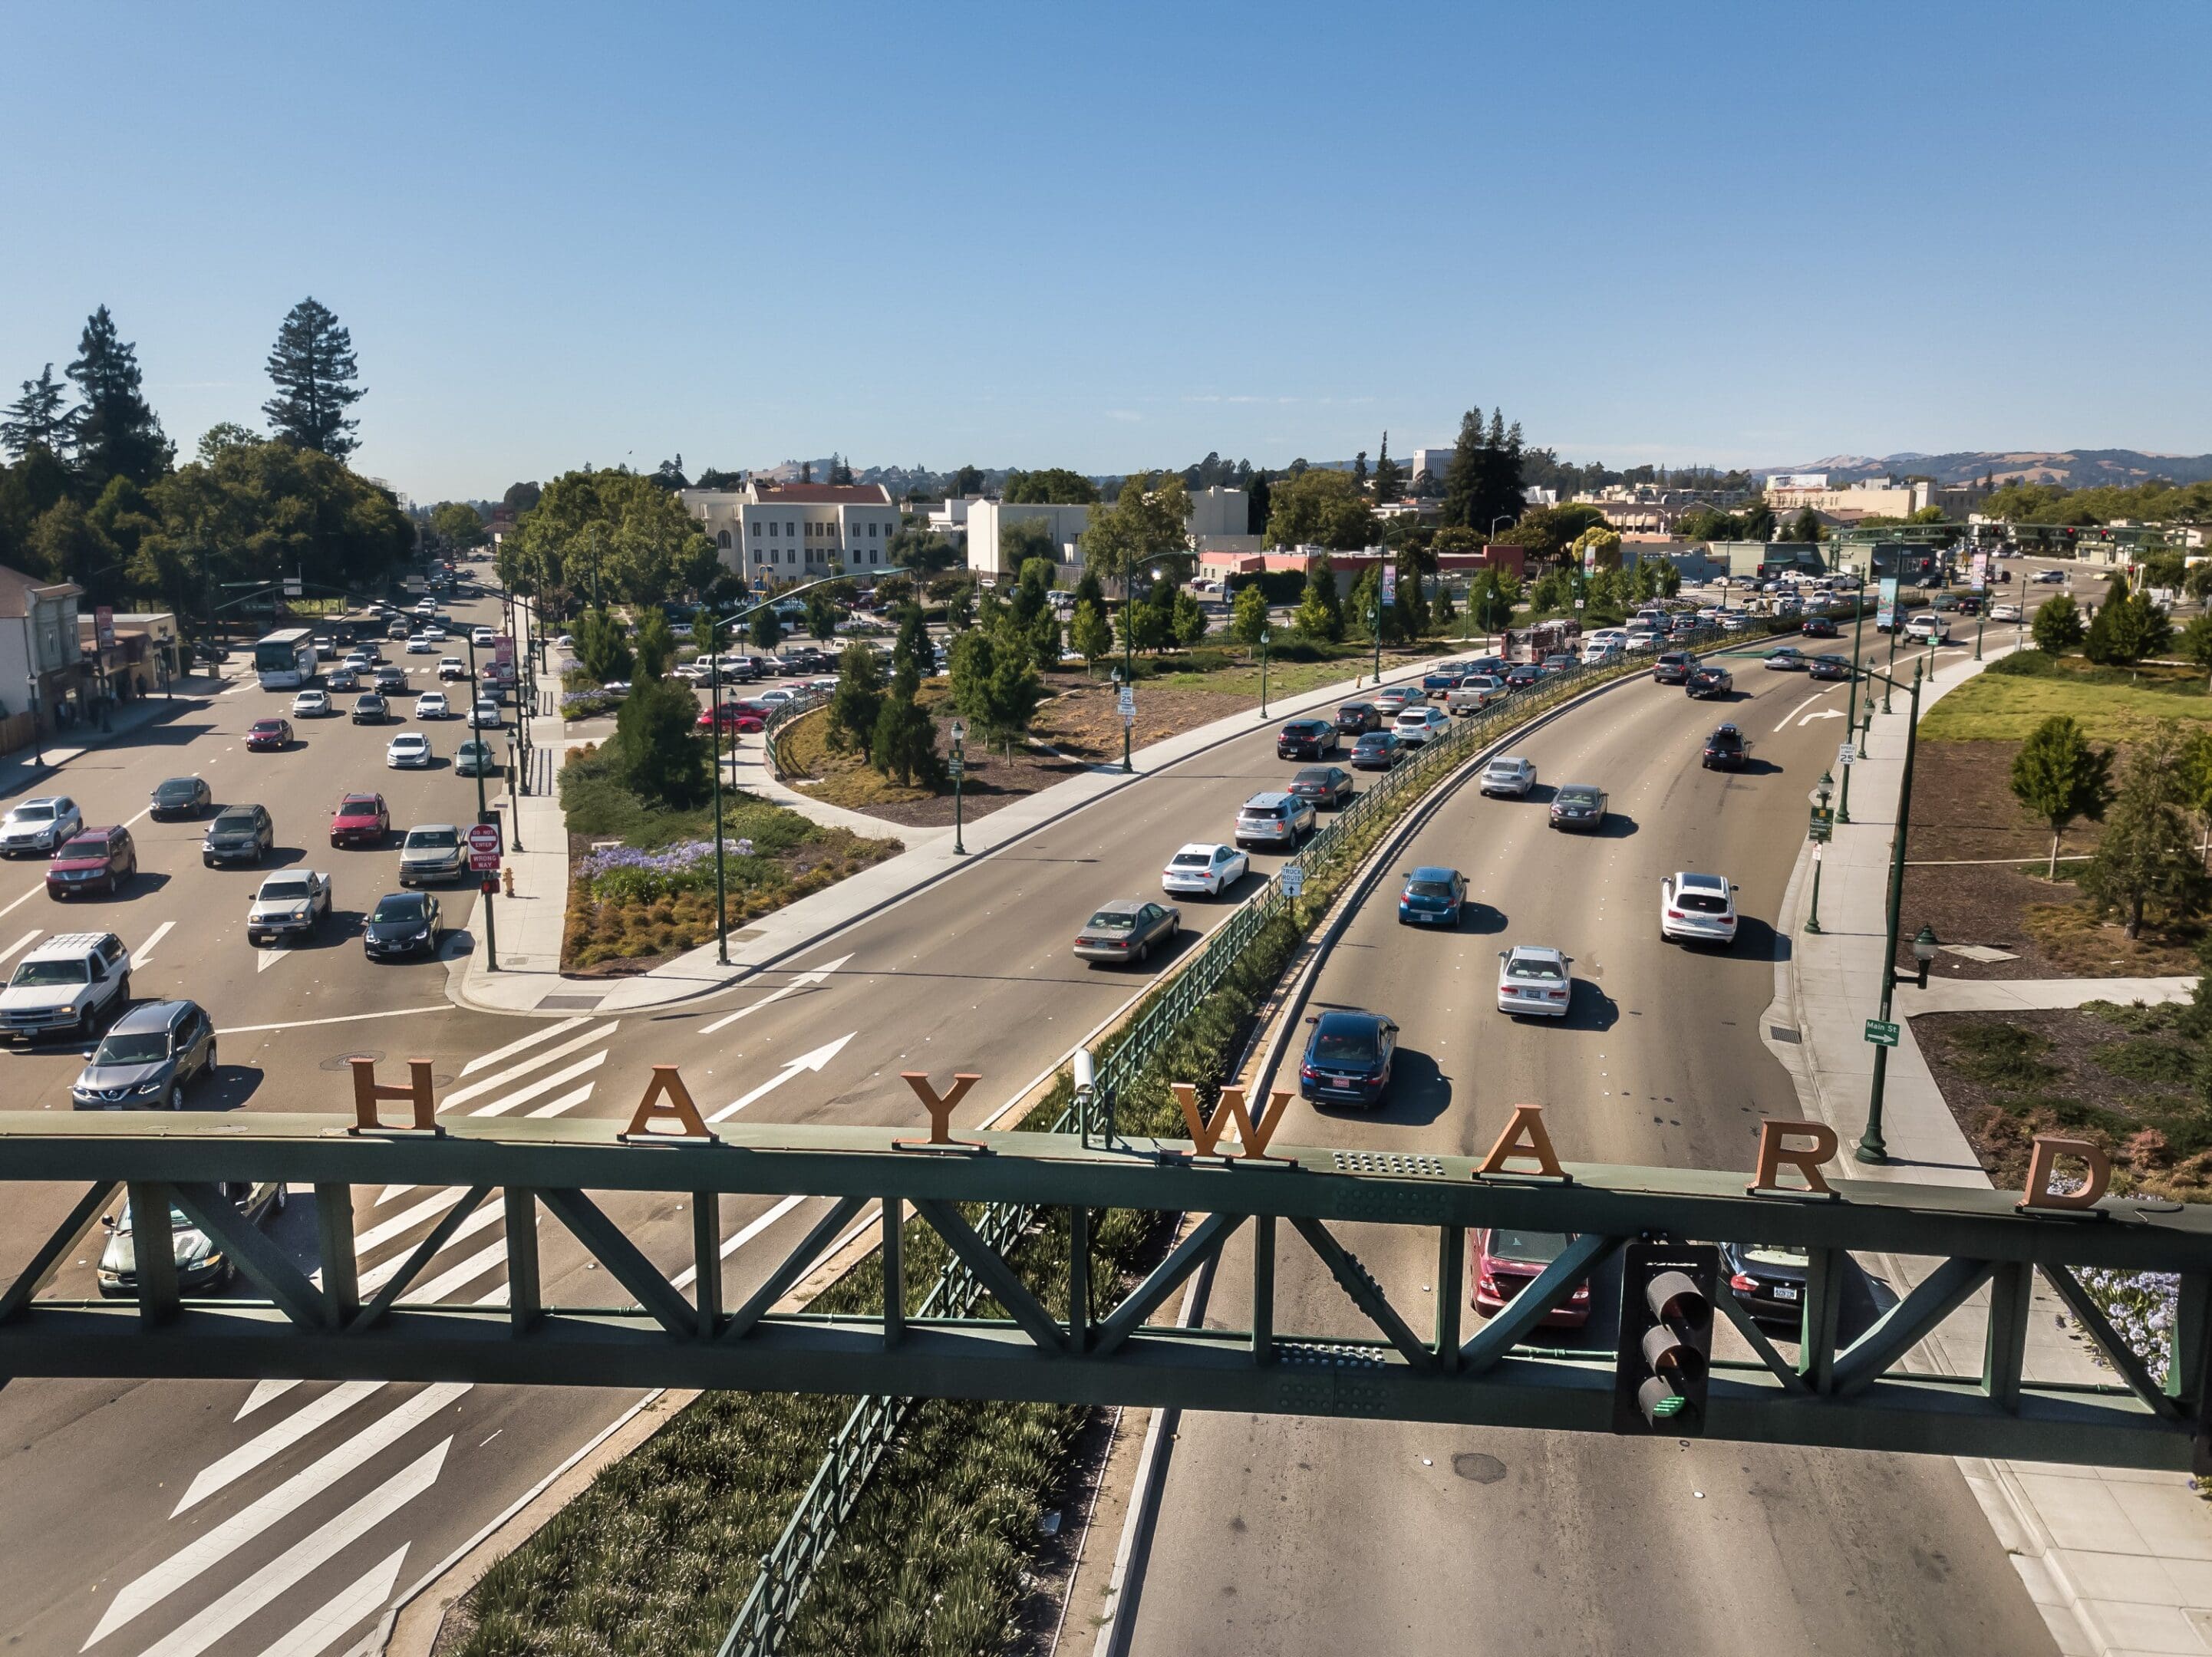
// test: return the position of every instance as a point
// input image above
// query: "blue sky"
(1109, 236)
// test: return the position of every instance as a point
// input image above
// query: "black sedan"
(403, 923)
(371, 709)
(1831, 667)
(181, 796)
(1306, 739)
(1579, 806)
(1379, 750)
(1324, 785)
(1347, 1059)
(1355, 718)
(1708, 682)
(1818, 627)
(1767, 1278)
(1726, 750)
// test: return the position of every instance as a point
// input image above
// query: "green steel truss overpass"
(1842, 1388)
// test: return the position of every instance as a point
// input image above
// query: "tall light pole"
(1871, 1147)
(1375, 627)
(1851, 718)
(959, 770)
(1264, 636)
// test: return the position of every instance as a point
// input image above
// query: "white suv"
(1696, 909)
(68, 983)
(1416, 726)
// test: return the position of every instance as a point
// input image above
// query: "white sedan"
(2004, 612)
(1534, 982)
(1509, 776)
(484, 716)
(1696, 909)
(408, 751)
(311, 705)
(420, 645)
(432, 705)
(436, 635)
(1204, 869)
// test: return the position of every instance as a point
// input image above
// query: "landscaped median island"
(659, 1553)
(641, 875)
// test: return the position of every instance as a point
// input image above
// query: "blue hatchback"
(1432, 897)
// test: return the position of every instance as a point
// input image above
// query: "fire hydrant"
(506, 882)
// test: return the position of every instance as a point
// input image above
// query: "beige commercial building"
(798, 531)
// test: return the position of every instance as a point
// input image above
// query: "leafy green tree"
(1807, 528)
(2148, 859)
(1189, 620)
(822, 614)
(2057, 626)
(1389, 476)
(904, 745)
(1147, 526)
(2195, 641)
(1247, 616)
(456, 523)
(1598, 546)
(1092, 634)
(317, 381)
(968, 480)
(1030, 596)
(1320, 508)
(2125, 630)
(995, 684)
(37, 419)
(116, 431)
(1088, 590)
(1259, 503)
(225, 435)
(765, 629)
(618, 531)
(840, 472)
(1320, 613)
(655, 648)
(1547, 531)
(703, 630)
(1758, 521)
(602, 647)
(2060, 778)
(914, 547)
(1146, 627)
(960, 607)
(1049, 485)
(911, 651)
(857, 703)
(656, 748)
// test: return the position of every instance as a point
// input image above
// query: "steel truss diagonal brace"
(286, 1285)
(2117, 1351)
(1937, 1295)
(56, 1248)
(992, 1270)
(795, 1265)
(1532, 1304)
(627, 1266)
(425, 1252)
(1204, 1242)
(1366, 1294)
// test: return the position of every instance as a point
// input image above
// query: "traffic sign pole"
(483, 859)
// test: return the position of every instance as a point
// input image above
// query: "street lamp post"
(1981, 620)
(1851, 718)
(1128, 660)
(714, 746)
(1818, 829)
(1375, 627)
(1871, 1148)
(1264, 636)
(959, 768)
(483, 814)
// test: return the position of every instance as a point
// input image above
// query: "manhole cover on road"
(340, 1062)
(1482, 1469)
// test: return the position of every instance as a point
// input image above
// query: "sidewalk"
(2118, 1562)
(530, 925)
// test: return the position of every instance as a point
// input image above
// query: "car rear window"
(1111, 920)
(1428, 888)
(1773, 1254)
(1344, 1045)
(1535, 1246)
(1263, 811)
(1708, 903)
(433, 840)
(1522, 965)
(1194, 859)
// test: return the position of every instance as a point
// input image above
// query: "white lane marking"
(282, 1437)
(1825, 713)
(566, 1102)
(741, 1237)
(342, 1019)
(264, 1392)
(26, 898)
(467, 1272)
(487, 1214)
(194, 1558)
(138, 956)
(383, 1232)
(813, 1061)
(134, 820)
(1800, 709)
(543, 1085)
(194, 1637)
(484, 1060)
(492, 1083)
(324, 1628)
(26, 938)
(815, 977)
(270, 954)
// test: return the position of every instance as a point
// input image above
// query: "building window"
(791, 530)
(771, 528)
(873, 556)
(757, 529)
(871, 531)
(724, 540)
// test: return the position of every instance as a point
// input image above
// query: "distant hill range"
(2072, 469)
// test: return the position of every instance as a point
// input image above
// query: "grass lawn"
(2006, 703)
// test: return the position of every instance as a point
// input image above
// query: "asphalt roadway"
(1299, 1535)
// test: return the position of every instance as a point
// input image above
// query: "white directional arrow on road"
(815, 975)
(814, 1061)
(1825, 713)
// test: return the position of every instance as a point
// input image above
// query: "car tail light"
(1744, 1285)
(1676, 914)
(1308, 1073)
(1488, 1283)
(1557, 995)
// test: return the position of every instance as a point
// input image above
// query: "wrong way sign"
(484, 847)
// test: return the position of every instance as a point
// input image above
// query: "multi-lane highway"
(178, 1519)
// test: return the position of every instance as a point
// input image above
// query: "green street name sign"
(1881, 1035)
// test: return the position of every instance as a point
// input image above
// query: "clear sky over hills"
(1108, 238)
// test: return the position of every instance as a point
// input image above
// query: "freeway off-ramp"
(185, 1519)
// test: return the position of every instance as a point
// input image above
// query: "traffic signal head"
(1665, 1347)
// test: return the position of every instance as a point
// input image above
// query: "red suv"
(92, 861)
(359, 820)
(745, 717)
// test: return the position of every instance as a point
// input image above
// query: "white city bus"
(285, 660)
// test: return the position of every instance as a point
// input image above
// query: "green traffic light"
(1670, 1406)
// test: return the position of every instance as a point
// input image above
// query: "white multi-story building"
(1218, 515)
(1434, 462)
(987, 518)
(798, 531)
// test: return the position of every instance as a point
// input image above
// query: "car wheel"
(283, 1196)
(176, 1099)
(209, 1068)
(1143, 953)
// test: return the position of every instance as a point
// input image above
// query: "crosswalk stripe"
(493, 1084)
(523, 1095)
(566, 1102)
(264, 1392)
(26, 938)
(740, 1237)
(195, 1558)
(467, 1272)
(487, 1214)
(324, 1628)
(383, 1232)
(197, 1635)
(486, 1060)
(273, 1440)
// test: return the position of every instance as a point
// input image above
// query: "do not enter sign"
(483, 846)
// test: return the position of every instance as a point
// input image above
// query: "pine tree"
(1463, 477)
(1390, 477)
(1092, 634)
(806, 471)
(117, 433)
(312, 364)
(1320, 613)
(1257, 505)
(2147, 857)
(37, 419)
(858, 702)
(1359, 471)
(904, 745)
(839, 471)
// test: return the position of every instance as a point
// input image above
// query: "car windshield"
(1344, 1045)
(1112, 920)
(1428, 888)
(179, 785)
(1194, 859)
(35, 813)
(1535, 966)
(234, 823)
(1706, 903)
(1537, 1247)
(95, 846)
(36, 972)
(132, 1047)
(392, 910)
(408, 742)
(433, 840)
(475, 750)
(267, 727)
(283, 891)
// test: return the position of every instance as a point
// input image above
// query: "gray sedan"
(1126, 931)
